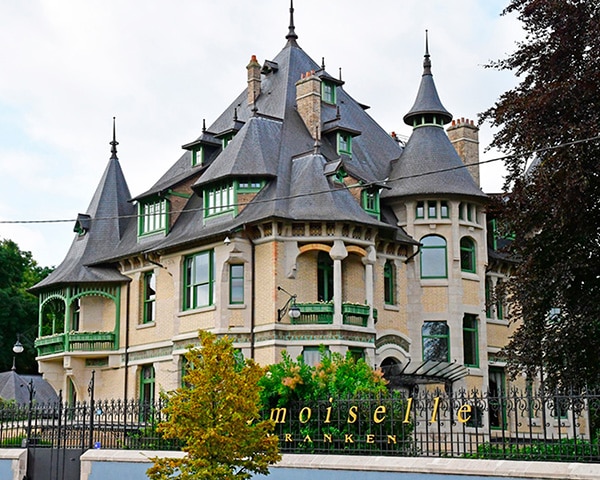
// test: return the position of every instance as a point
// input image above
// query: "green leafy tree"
(334, 376)
(553, 207)
(215, 414)
(330, 390)
(18, 308)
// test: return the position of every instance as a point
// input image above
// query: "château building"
(292, 221)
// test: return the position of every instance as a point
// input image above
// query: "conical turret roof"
(99, 231)
(429, 164)
(428, 101)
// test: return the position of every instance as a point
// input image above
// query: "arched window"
(433, 257)
(389, 283)
(324, 277)
(467, 255)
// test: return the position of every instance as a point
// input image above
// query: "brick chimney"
(308, 102)
(253, 80)
(464, 135)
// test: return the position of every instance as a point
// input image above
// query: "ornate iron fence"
(520, 425)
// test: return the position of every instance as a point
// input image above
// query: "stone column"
(338, 252)
(368, 262)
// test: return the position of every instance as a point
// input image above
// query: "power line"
(291, 197)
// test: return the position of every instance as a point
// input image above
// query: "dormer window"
(198, 156)
(328, 92)
(152, 216)
(340, 175)
(370, 202)
(227, 138)
(82, 225)
(219, 199)
(344, 143)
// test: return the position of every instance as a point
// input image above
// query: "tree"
(553, 208)
(334, 376)
(216, 416)
(18, 308)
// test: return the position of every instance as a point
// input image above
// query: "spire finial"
(203, 125)
(291, 36)
(427, 59)
(114, 142)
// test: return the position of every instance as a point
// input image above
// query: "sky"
(161, 67)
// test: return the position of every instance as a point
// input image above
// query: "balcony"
(322, 314)
(75, 342)
(314, 314)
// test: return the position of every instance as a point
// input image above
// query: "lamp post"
(290, 306)
(17, 348)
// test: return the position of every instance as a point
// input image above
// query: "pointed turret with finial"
(292, 36)
(428, 108)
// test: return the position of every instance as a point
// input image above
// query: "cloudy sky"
(160, 67)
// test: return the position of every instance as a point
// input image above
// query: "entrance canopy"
(427, 372)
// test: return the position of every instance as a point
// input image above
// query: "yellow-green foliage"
(216, 416)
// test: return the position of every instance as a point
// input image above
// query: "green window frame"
(147, 384)
(434, 257)
(328, 92)
(149, 295)
(219, 199)
(357, 353)
(236, 283)
(226, 139)
(499, 300)
(488, 297)
(153, 216)
(420, 210)
(198, 156)
(370, 202)
(389, 283)
(470, 212)
(75, 314)
(497, 398)
(313, 355)
(344, 143)
(249, 186)
(435, 337)
(431, 209)
(468, 257)
(199, 279)
(324, 277)
(470, 340)
(444, 209)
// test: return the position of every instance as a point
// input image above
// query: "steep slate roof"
(108, 216)
(429, 164)
(271, 138)
(15, 387)
(248, 154)
(271, 143)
